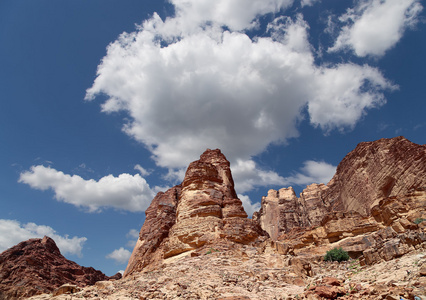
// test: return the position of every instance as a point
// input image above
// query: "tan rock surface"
(202, 211)
(241, 271)
(376, 170)
(373, 171)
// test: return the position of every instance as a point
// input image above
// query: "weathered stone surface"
(66, 289)
(373, 171)
(36, 266)
(201, 211)
(377, 170)
(281, 211)
(160, 217)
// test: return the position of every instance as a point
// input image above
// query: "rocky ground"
(243, 273)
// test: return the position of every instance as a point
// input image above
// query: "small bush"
(336, 254)
(418, 220)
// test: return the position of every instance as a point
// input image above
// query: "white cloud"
(133, 233)
(247, 176)
(313, 172)
(13, 232)
(121, 256)
(221, 89)
(340, 100)
(249, 207)
(133, 236)
(375, 26)
(142, 170)
(308, 2)
(127, 192)
(235, 14)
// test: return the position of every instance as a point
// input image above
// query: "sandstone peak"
(202, 211)
(37, 266)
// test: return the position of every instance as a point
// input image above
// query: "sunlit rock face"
(376, 170)
(370, 173)
(203, 210)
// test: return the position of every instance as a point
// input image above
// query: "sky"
(105, 103)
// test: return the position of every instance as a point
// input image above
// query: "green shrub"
(418, 220)
(336, 254)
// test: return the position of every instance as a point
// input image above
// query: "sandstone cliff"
(203, 211)
(370, 173)
(36, 266)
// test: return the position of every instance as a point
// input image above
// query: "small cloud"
(382, 127)
(304, 3)
(375, 26)
(175, 175)
(249, 207)
(418, 126)
(247, 175)
(13, 232)
(133, 236)
(133, 233)
(313, 172)
(141, 170)
(121, 256)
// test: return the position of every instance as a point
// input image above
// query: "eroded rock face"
(389, 233)
(371, 172)
(376, 170)
(159, 218)
(201, 211)
(36, 266)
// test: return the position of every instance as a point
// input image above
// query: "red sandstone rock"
(377, 170)
(36, 266)
(372, 172)
(160, 217)
(202, 211)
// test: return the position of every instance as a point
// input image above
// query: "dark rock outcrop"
(37, 266)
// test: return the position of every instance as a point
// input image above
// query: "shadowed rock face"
(37, 266)
(203, 210)
(371, 172)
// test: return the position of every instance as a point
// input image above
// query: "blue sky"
(104, 103)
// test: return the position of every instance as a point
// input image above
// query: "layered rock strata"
(395, 228)
(373, 171)
(202, 211)
(37, 266)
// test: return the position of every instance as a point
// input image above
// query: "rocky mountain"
(202, 212)
(37, 266)
(373, 171)
(197, 242)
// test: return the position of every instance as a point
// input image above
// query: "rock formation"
(370, 173)
(376, 170)
(36, 266)
(203, 211)
(197, 243)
